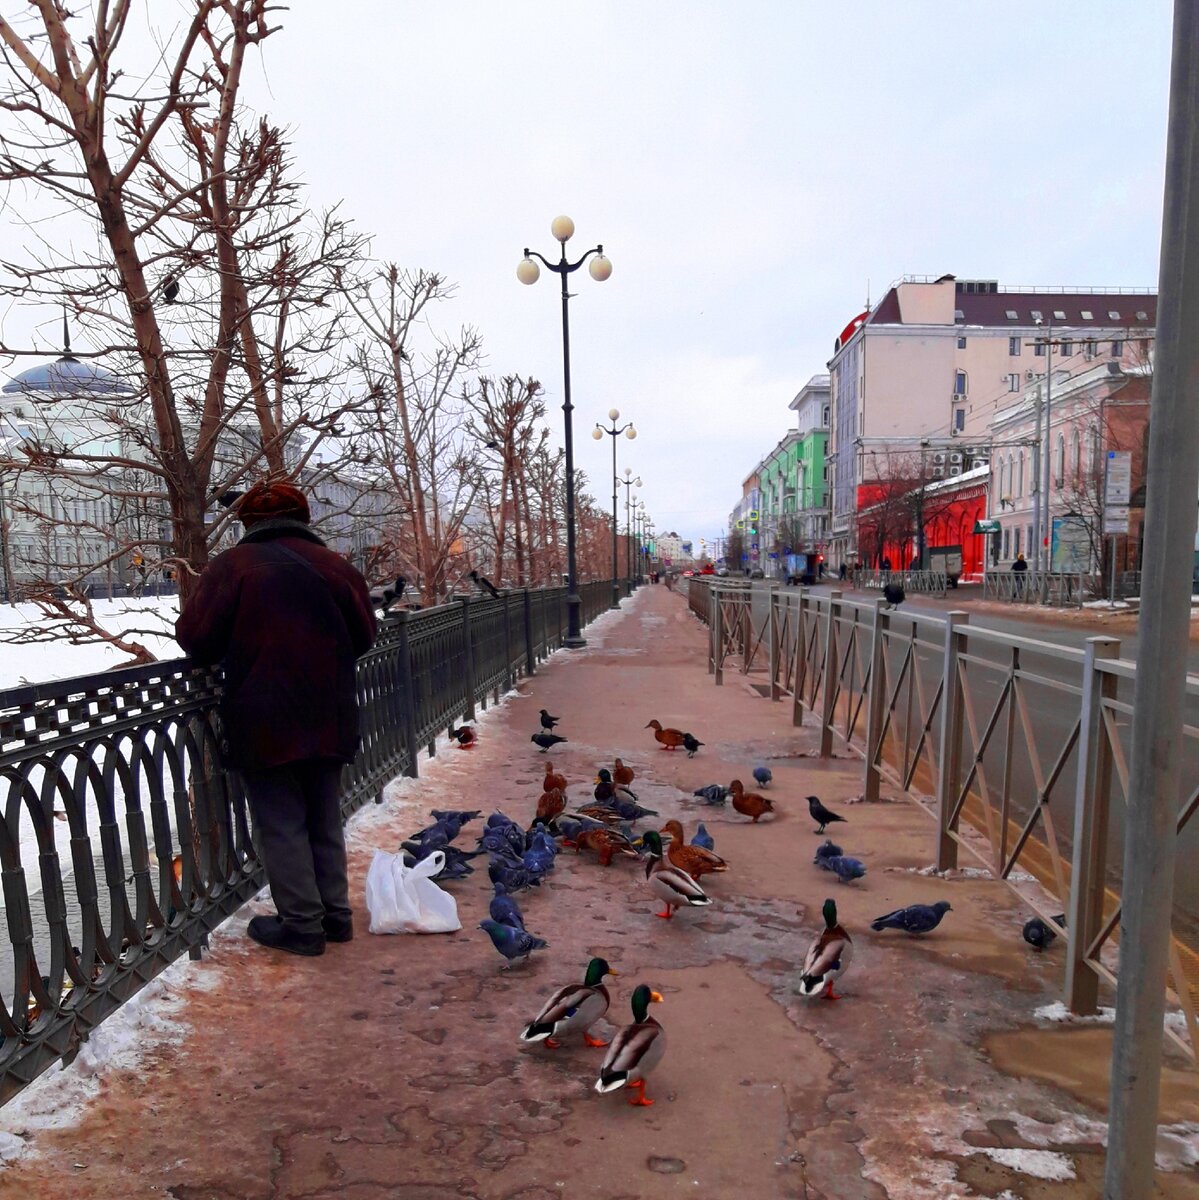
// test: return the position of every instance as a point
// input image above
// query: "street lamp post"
(528, 272)
(598, 433)
(629, 483)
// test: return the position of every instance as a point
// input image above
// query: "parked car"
(688, 574)
(722, 573)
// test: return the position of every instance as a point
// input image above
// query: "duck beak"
(609, 971)
(596, 780)
(655, 998)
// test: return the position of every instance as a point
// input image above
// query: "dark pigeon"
(546, 740)
(845, 869)
(703, 839)
(824, 852)
(514, 878)
(763, 776)
(512, 943)
(821, 815)
(504, 910)
(1039, 935)
(548, 722)
(454, 818)
(916, 918)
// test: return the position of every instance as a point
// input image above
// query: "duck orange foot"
(593, 1041)
(641, 1100)
(667, 914)
(552, 1044)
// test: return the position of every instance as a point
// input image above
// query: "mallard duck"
(693, 859)
(828, 957)
(749, 804)
(674, 887)
(573, 1008)
(551, 804)
(601, 813)
(553, 780)
(671, 739)
(623, 775)
(635, 1051)
(606, 843)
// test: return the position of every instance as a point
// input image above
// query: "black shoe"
(270, 931)
(338, 929)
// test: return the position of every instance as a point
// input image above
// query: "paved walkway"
(390, 1067)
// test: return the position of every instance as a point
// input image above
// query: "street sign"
(1115, 520)
(1118, 487)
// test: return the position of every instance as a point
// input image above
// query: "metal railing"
(935, 583)
(1062, 589)
(1016, 748)
(124, 841)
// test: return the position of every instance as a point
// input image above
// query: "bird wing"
(631, 1046)
(897, 917)
(565, 1002)
(680, 884)
(826, 951)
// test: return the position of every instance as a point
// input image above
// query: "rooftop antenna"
(867, 293)
(66, 335)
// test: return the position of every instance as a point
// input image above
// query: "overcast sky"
(752, 169)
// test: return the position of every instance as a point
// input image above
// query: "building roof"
(67, 376)
(1076, 309)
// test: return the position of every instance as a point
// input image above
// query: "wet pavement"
(390, 1067)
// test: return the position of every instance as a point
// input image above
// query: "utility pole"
(1150, 840)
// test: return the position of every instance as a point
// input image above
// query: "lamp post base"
(574, 639)
(574, 642)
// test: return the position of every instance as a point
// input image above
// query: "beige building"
(936, 359)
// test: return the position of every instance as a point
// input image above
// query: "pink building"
(928, 368)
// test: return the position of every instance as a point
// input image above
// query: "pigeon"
(464, 735)
(454, 867)
(546, 740)
(703, 839)
(846, 869)
(454, 819)
(691, 744)
(894, 594)
(485, 585)
(712, 793)
(512, 943)
(763, 776)
(548, 722)
(435, 837)
(916, 918)
(514, 878)
(384, 598)
(824, 852)
(1038, 935)
(503, 910)
(821, 815)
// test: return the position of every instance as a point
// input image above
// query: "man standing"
(1018, 569)
(287, 618)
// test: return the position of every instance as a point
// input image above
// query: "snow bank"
(1040, 1164)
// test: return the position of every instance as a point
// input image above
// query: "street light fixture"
(528, 272)
(598, 433)
(629, 483)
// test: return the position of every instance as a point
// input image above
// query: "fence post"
(800, 670)
(468, 659)
(949, 773)
(718, 636)
(713, 602)
(408, 712)
(876, 702)
(509, 674)
(829, 699)
(530, 652)
(776, 597)
(1092, 796)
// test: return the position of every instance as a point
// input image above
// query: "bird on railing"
(484, 585)
(384, 598)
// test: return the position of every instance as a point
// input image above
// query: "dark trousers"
(299, 831)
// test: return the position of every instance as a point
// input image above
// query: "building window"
(959, 419)
(1076, 453)
(1058, 315)
(1013, 382)
(1039, 349)
(1007, 543)
(959, 382)
(1059, 473)
(1020, 474)
(1117, 349)
(824, 416)
(1028, 539)
(826, 472)
(1015, 543)
(1087, 315)
(1067, 349)
(1013, 346)
(1013, 315)
(961, 343)
(1089, 348)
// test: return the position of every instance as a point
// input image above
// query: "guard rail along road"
(1017, 749)
(124, 842)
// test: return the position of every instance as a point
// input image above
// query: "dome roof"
(67, 376)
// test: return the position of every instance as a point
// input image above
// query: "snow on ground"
(39, 662)
(1040, 1164)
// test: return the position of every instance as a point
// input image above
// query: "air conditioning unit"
(959, 397)
(1030, 374)
(975, 463)
(939, 458)
(956, 458)
(955, 470)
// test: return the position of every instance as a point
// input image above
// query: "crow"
(894, 594)
(170, 289)
(548, 722)
(384, 598)
(821, 815)
(546, 740)
(485, 585)
(691, 744)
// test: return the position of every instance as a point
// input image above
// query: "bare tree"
(904, 505)
(207, 286)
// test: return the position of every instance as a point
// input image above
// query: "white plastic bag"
(405, 899)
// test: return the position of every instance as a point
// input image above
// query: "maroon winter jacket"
(288, 618)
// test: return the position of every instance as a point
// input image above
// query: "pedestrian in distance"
(842, 571)
(287, 618)
(1019, 567)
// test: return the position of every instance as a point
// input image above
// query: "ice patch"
(1057, 1011)
(1040, 1164)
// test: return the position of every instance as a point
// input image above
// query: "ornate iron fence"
(1015, 747)
(124, 841)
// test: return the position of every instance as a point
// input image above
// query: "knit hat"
(272, 501)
